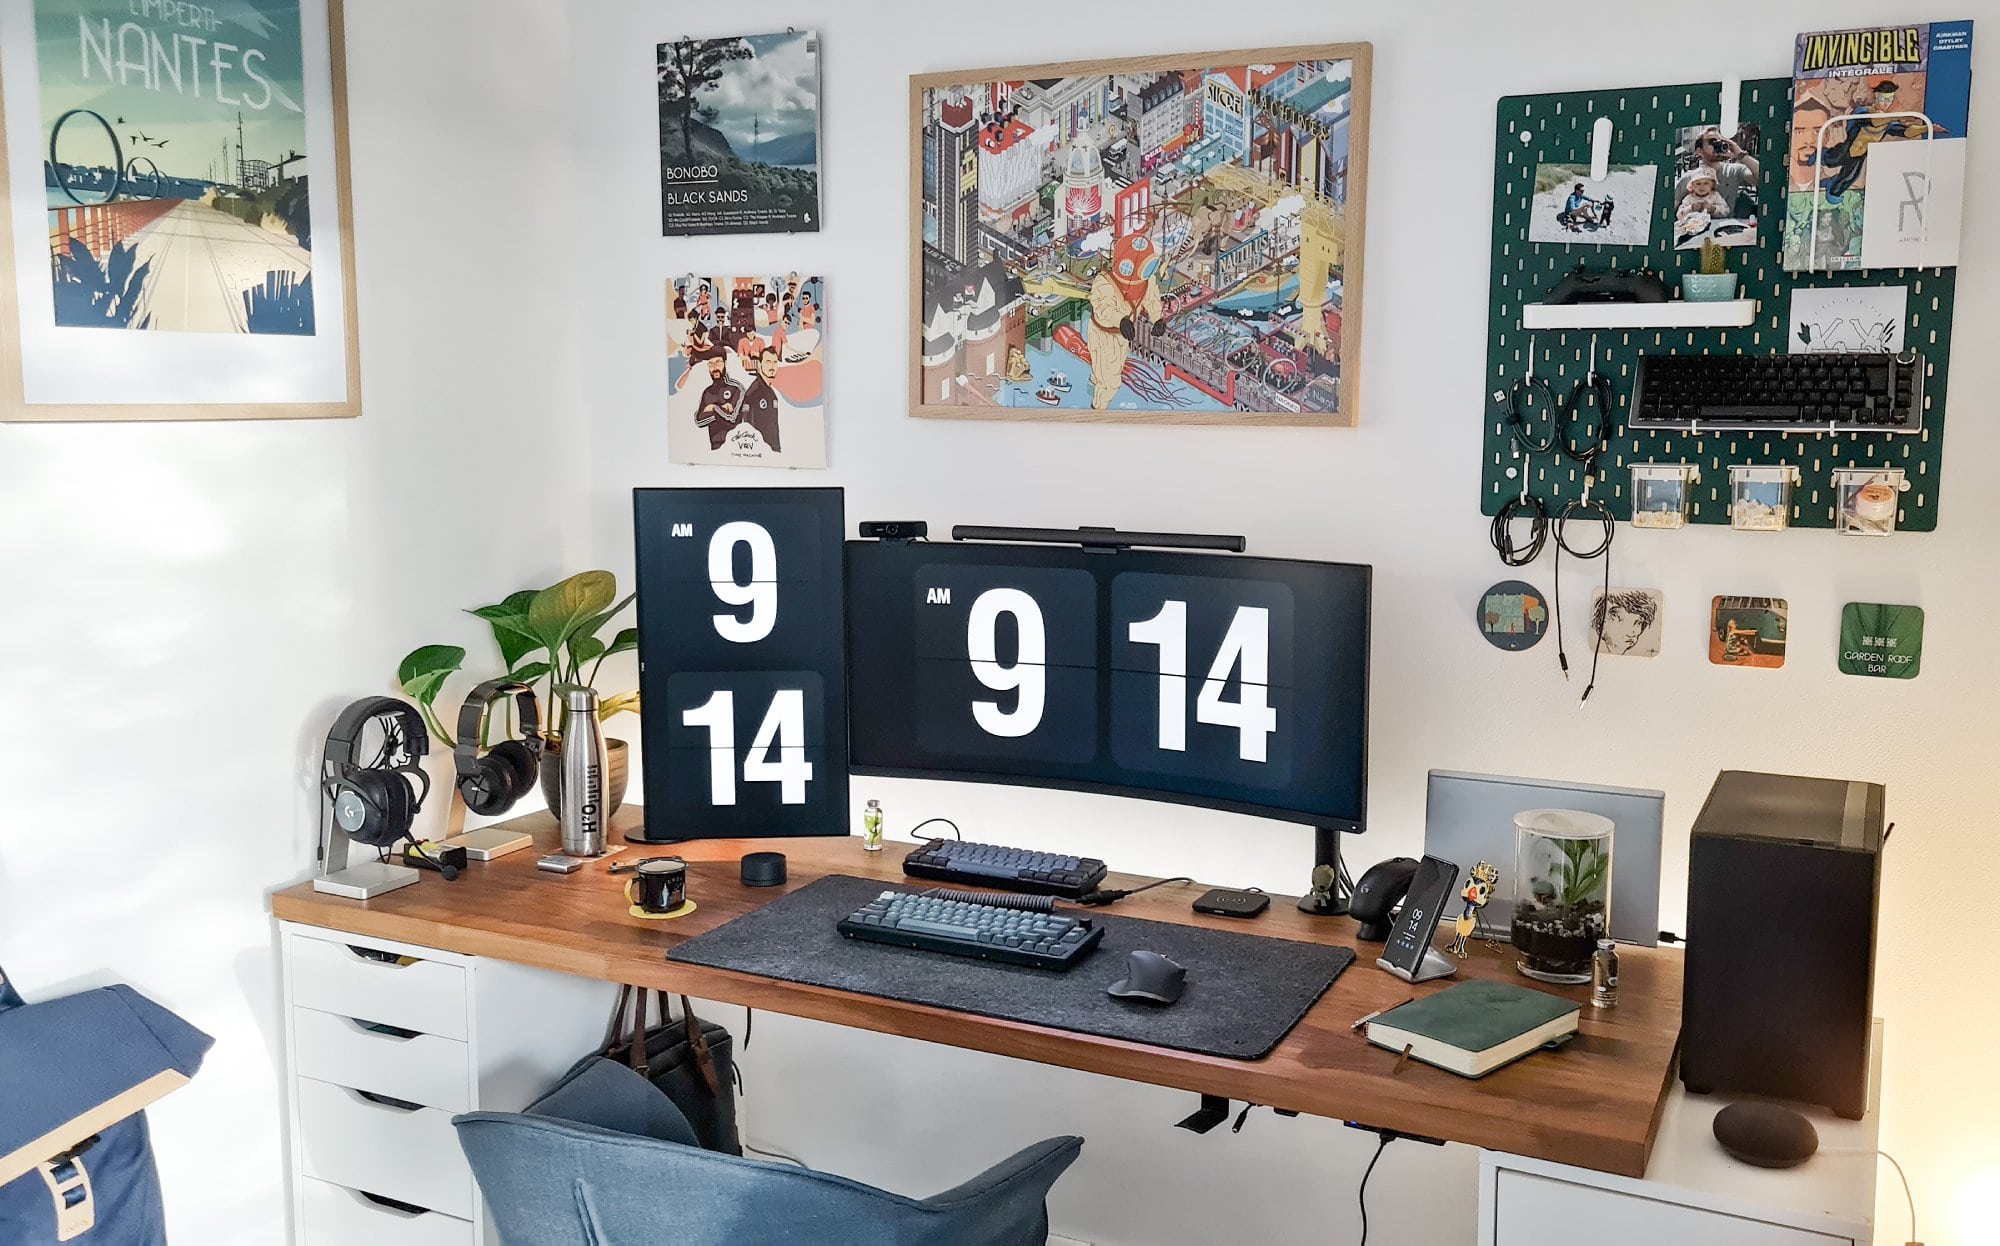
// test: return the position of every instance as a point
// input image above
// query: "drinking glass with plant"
(547, 638)
(1562, 876)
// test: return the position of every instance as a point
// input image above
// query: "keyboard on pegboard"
(1831, 392)
(1015, 869)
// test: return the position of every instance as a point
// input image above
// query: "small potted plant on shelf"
(1714, 283)
(547, 638)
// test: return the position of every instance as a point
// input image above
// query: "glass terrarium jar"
(1562, 878)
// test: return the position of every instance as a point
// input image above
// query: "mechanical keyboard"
(937, 923)
(1845, 392)
(1013, 869)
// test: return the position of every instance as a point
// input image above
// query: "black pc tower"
(1783, 878)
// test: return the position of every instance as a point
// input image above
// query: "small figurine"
(1478, 890)
(1321, 895)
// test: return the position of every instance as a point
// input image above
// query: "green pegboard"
(1646, 121)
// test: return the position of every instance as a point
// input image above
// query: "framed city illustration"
(176, 240)
(1167, 239)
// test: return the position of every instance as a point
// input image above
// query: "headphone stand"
(366, 880)
(484, 844)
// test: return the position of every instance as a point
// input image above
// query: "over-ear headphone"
(491, 782)
(373, 803)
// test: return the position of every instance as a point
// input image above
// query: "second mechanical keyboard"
(1846, 392)
(1013, 869)
(937, 923)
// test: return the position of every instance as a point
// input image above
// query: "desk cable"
(956, 833)
(1361, 1194)
(1900, 1176)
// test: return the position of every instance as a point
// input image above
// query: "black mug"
(658, 884)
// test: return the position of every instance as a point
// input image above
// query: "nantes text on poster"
(1877, 168)
(176, 165)
(745, 371)
(1158, 241)
(739, 135)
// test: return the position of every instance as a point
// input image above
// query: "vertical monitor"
(1217, 680)
(741, 662)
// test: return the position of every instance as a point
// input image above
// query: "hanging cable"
(1592, 393)
(1361, 1195)
(1582, 507)
(1502, 534)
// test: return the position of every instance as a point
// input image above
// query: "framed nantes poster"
(1172, 239)
(176, 243)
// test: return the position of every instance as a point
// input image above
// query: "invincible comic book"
(1877, 160)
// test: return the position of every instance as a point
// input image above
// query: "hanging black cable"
(1502, 534)
(1521, 409)
(1592, 392)
(1602, 513)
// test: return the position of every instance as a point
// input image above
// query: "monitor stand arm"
(1330, 900)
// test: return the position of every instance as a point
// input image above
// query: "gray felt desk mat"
(1243, 993)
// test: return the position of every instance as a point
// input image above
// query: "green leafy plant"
(1714, 260)
(1580, 874)
(548, 638)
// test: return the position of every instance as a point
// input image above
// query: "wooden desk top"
(1594, 1103)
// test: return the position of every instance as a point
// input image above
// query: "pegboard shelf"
(1726, 314)
(1530, 129)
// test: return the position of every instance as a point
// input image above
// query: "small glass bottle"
(1604, 975)
(871, 827)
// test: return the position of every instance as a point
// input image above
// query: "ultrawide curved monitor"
(1217, 680)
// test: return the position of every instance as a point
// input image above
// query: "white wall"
(188, 605)
(1398, 492)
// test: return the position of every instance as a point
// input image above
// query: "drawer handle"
(381, 1029)
(386, 1101)
(379, 956)
(409, 1210)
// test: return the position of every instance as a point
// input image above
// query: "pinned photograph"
(1715, 186)
(1748, 631)
(745, 379)
(1840, 319)
(1626, 622)
(1570, 207)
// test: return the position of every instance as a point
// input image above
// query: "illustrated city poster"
(177, 166)
(1877, 167)
(746, 375)
(739, 134)
(1178, 243)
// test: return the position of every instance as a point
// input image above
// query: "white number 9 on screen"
(1026, 677)
(760, 592)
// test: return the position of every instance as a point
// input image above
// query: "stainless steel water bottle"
(582, 811)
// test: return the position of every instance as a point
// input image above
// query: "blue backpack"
(75, 1076)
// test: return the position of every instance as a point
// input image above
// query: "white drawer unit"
(388, 1041)
(402, 1064)
(333, 1215)
(1693, 1193)
(404, 1151)
(353, 980)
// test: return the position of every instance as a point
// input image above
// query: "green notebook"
(1475, 1027)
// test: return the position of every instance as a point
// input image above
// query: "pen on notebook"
(1378, 1012)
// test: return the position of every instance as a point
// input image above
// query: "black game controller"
(1613, 285)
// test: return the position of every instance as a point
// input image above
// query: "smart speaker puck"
(763, 869)
(1766, 1135)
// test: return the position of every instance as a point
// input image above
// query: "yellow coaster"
(687, 906)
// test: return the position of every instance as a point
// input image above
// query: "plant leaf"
(584, 648)
(623, 702)
(530, 673)
(509, 621)
(627, 639)
(560, 609)
(424, 671)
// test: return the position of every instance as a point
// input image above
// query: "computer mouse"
(1151, 976)
(1378, 893)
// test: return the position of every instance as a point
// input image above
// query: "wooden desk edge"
(1245, 1080)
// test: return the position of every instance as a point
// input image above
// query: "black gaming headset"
(373, 803)
(492, 781)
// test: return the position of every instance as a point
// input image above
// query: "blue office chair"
(606, 1159)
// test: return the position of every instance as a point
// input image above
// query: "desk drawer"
(334, 1215)
(422, 1068)
(408, 1154)
(427, 996)
(1543, 1211)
